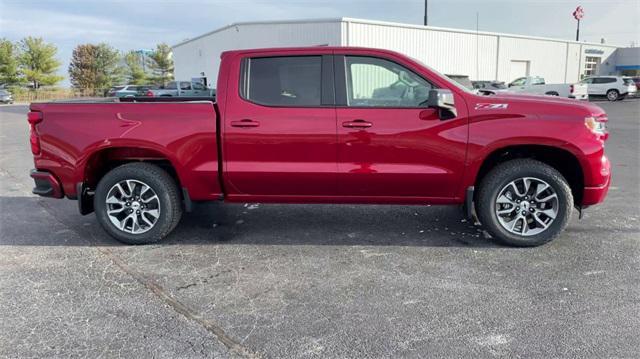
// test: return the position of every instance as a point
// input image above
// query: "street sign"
(578, 14)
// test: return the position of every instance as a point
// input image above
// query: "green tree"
(134, 68)
(95, 68)
(9, 65)
(38, 62)
(161, 64)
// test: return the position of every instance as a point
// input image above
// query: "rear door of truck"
(279, 125)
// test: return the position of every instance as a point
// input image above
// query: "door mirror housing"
(442, 100)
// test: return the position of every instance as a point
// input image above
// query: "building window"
(591, 64)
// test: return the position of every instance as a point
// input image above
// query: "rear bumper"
(596, 194)
(47, 185)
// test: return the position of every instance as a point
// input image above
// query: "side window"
(283, 81)
(375, 82)
(198, 86)
(537, 81)
(171, 86)
(609, 80)
(185, 85)
(588, 80)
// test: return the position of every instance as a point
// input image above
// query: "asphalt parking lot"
(318, 280)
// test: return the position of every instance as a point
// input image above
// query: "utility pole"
(426, 12)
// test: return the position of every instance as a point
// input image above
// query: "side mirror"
(442, 100)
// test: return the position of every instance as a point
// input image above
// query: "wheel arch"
(103, 160)
(561, 159)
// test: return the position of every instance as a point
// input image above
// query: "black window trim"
(340, 74)
(327, 88)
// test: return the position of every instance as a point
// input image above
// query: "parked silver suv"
(5, 96)
(613, 87)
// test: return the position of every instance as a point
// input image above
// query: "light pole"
(578, 14)
(426, 12)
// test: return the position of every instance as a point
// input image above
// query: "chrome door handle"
(357, 124)
(245, 123)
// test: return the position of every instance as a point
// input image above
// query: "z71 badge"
(492, 106)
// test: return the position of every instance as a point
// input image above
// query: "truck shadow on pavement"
(33, 221)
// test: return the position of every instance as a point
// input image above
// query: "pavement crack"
(155, 288)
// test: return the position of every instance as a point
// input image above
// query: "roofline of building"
(391, 24)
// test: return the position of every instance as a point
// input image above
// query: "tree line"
(93, 68)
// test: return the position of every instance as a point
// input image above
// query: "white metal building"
(480, 55)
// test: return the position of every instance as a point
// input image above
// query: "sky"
(141, 24)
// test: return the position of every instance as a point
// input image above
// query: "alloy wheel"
(133, 206)
(527, 206)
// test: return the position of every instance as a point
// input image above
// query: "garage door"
(518, 69)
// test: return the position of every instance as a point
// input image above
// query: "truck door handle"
(357, 124)
(245, 123)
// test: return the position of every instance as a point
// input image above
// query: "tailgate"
(580, 89)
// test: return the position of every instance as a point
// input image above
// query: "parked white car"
(613, 87)
(537, 86)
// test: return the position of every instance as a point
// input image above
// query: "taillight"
(149, 93)
(598, 125)
(34, 118)
(570, 88)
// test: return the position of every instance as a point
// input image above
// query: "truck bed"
(77, 136)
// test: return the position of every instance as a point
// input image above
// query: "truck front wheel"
(138, 203)
(524, 202)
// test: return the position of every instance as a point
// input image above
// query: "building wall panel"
(203, 54)
(447, 52)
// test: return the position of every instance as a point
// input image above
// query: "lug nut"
(532, 210)
(526, 197)
(518, 208)
(532, 202)
(138, 212)
(517, 201)
(524, 213)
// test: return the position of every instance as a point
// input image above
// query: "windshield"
(456, 84)
(4, 92)
(462, 80)
(518, 82)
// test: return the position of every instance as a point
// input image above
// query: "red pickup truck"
(325, 125)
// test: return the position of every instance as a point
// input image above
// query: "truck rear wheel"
(524, 202)
(138, 203)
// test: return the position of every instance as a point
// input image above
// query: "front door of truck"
(280, 128)
(390, 145)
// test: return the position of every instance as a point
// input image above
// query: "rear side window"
(628, 81)
(604, 80)
(283, 81)
(185, 85)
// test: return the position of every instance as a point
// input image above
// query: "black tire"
(501, 176)
(613, 95)
(162, 184)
